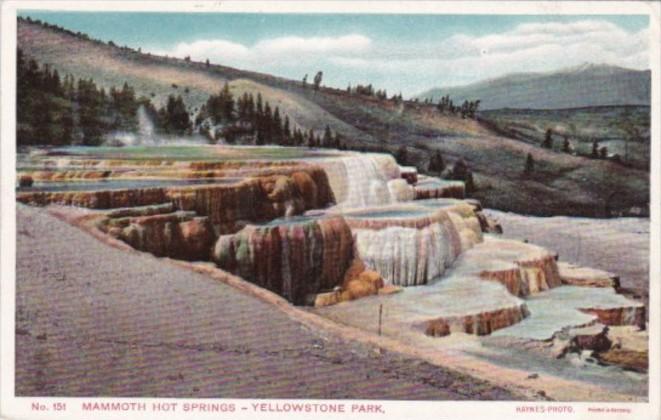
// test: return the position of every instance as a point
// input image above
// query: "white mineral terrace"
(463, 298)
(399, 224)
(562, 307)
(364, 179)
(409, 244)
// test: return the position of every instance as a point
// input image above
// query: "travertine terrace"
(343, 233)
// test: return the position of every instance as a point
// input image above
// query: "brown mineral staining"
(540, 273)
(68, 175)
(294, 258)
(630, 315)
(587, 277)
(487, 322)
(196, 238)
(25, 181)
(390, 289)
(479, 324)
(631, 360)
(532, 270)
(508, 277)
(358, 282)
(253, 223)
(96, 199)
(487, 224)
(594, 337)
(140, 211)
(177, 235)
(306, 188)
(277, 187)
(630, 349)
(410, 174)
(437, 328)
(227, 205)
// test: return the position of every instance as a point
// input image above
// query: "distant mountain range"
(574, 87)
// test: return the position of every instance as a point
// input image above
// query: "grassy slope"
(582, 125)
(562, 184)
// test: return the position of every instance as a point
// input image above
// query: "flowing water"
(365, 179)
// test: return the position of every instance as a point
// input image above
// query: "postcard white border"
(13, 407)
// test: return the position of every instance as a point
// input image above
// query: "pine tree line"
(596, 153)
(61, 110)
(57, 110)
(467, 108)
(252, 116)
(368, 90)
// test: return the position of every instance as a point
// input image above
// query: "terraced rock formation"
(324, 227)
(294, 257)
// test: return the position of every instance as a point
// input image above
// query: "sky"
(399, 53)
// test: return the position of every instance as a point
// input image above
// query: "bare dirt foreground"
(92, 320)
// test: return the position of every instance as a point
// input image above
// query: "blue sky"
(407, 53)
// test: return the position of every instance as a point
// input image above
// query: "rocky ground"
(526, 354)
(97, 321)
(619, 245)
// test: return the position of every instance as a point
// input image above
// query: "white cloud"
(348, 44)
(597, 34)
(413, 67)
(281, 51)
(535, 47)
(218, 48)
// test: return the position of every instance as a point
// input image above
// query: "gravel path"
(92, 320)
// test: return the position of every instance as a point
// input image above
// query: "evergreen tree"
(337, 142)
(464, 109)
(174, 116)
(91, 111)
(548, 139)
(43, 121)
(436, 163)
(530, 165)
(251, 106)
(286, 131)
(259, 110)
(220, 107)
(595, 149)
(66, 126)
(461, 172)
(259, 139)
(472, 108)
(227, 103)
(267, 123)
(277, 129)
(300, 139)
(566, 146)
(327, 140)
(630, 130)
(311, 140)
(317, 79)
(402, 155)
